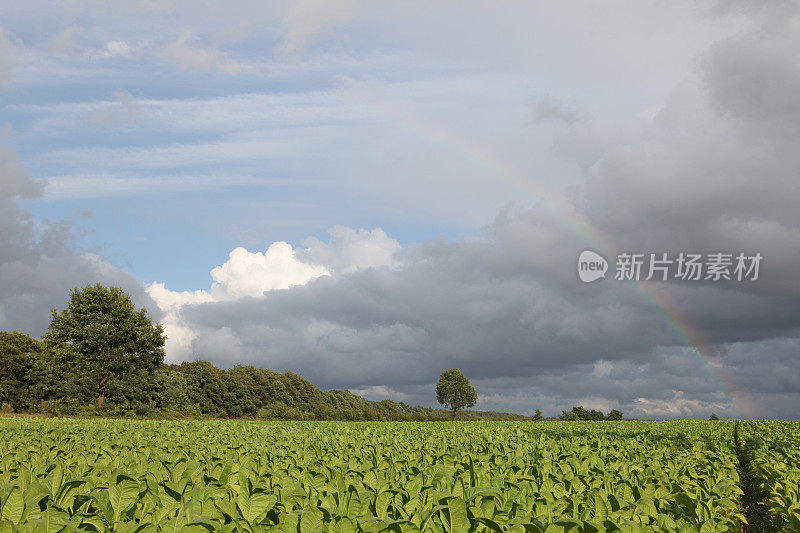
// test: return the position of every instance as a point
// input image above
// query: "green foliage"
(568, 416)
(25, 376)
(580, 413)
(100, 341)
(713, 417)
(538, 415)
(775, 457)
(239, 476)
(62, 407)
(455, 391)
(199, 389)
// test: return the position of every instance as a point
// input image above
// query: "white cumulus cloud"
(254, 274)
(350, 250)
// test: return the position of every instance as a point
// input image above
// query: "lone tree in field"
(455, 391)
(101, 336)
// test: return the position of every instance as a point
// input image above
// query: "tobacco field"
(247, 476)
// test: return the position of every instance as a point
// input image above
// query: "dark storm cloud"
(717, 168)
(38, 265)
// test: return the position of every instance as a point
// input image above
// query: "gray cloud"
(547, 109)
(8, 52)
(717, 168)
(38, 263)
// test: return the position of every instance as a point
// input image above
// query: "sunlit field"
(127, 475)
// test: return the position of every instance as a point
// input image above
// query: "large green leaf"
(123, 496)
(13, 506)
(312, 519)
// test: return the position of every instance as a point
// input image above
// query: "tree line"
(580, 413)
(102, 356)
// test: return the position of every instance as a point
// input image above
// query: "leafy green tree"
(25, 371)
(100, 338)
(594, 414)
(538, 415)
(581, 413)
(577, 413)
(568, 415)
(170, 392)
(713, 417)
(455, 391)
(614, 414)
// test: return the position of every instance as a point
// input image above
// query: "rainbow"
(564, 213)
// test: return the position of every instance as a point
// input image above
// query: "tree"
(579, 413)
(538, 415)
(101, 337)
(594, 414)
(569, 416)
(713, 417)
(25, 373)
(614, 414)
(455, 391)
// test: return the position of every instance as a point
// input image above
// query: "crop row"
(774, 449)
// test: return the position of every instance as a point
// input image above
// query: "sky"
(369, 193)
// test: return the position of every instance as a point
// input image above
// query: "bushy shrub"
(62, 407)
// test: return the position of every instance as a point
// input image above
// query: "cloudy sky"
(368, 193)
